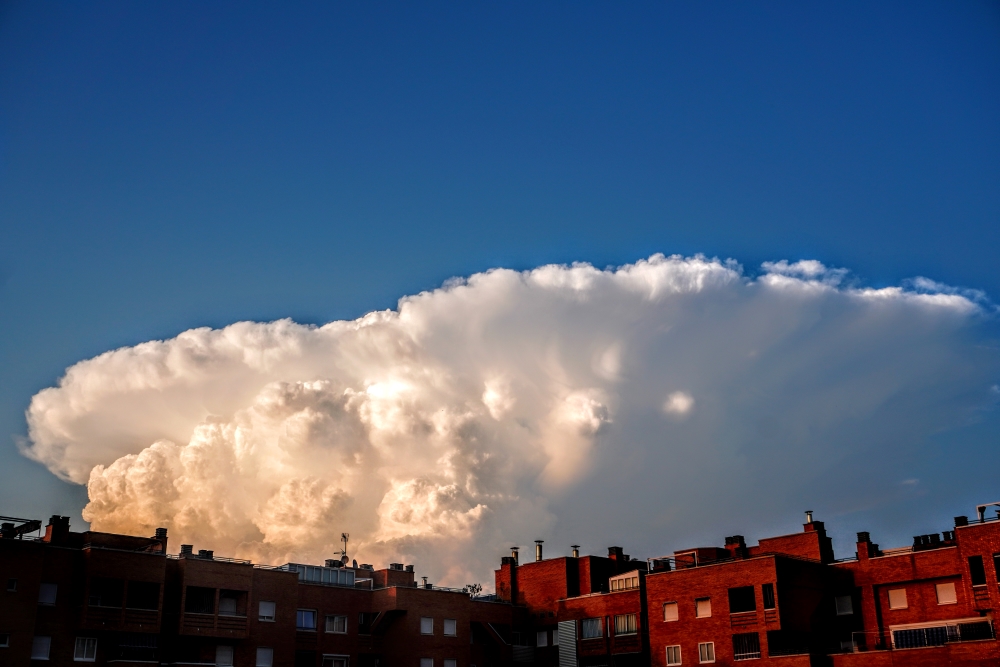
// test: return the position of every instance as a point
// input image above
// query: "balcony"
(214, 625)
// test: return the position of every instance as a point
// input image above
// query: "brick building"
(103, 598)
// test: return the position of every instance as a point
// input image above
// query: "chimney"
(408, 568)
(616, 553)
(538, 550)
(207, 554)
(161, 537)
(187, 550)
(866, 548)
(513, 554)
(333, 562)
(809, 516)
(424, 579)
(961, 521)
(576, 550)
(57, 532)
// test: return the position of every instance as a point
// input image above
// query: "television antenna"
(344, 537)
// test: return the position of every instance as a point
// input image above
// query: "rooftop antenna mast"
(343, 538)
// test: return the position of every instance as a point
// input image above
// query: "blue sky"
(167, 166)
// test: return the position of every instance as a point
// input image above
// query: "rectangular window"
(625, 624)
(224, 656)
(673, 655)
(450, 627)
(542, 638)
(265, 611)
(670, 611)
(47, 594)
(703, 607)
(4, 640)
(40, 648)
(335, 661)
(450, 662)
(946, 593)
(426, 662)
(996, 567)
(843, 605)
(232, 603)
(106, 592)
(746, 646)
(305, 619)
(897, 598)
(591, 628)
(767, 591)
(706, 652)
(265, 656)
(199, 600)
(742, 599)
(426, 625)
(85, 649)
(977, 572)
(336, 624)
(142, 595)
(12, 585)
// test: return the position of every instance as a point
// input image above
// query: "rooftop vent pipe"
(207, 554)
(576, 550)
(809, 516)
(538, 550)
(513, 554)
(187, 549)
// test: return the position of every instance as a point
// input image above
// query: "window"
(706, 652)
(897, 598)
(976, 571)
(767, 592)
(946, 593)
(843, 605)
(703, 607)
(105, 592)
(746, 646)
(337, 624)
(47, 594)
(996, 567)
(224, 656)
(12, 585)
(555, 636)
(265, 656)
(542, 638)
(142, 595)
(624, 584)
(40, 648)
(335, 661)
(591, 628)
(625, 624)
(305, 619)
(232, 603)
(426, 662)
(670, 611)
(450, 662)
(198, 600)
(673, 655)
(742, 599)
(265, 612)
(450, 627)
(4, 640)
(426, 625)
(85, 650)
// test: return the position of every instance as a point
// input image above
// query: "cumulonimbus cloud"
(511, 405)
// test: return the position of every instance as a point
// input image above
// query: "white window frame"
(839, 605)
(37, 644)
(47, 594)
(264, 657)
(262, 614)
(426, 625)
(454, 627)
(951, 596)
(676, 612)
(224, 655)
(711, 649)
(676, 662)
(331, 627)
(898, 591)
(87, 643)
(697, 607)
(332, 658)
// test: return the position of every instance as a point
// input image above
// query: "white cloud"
(511, 406)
